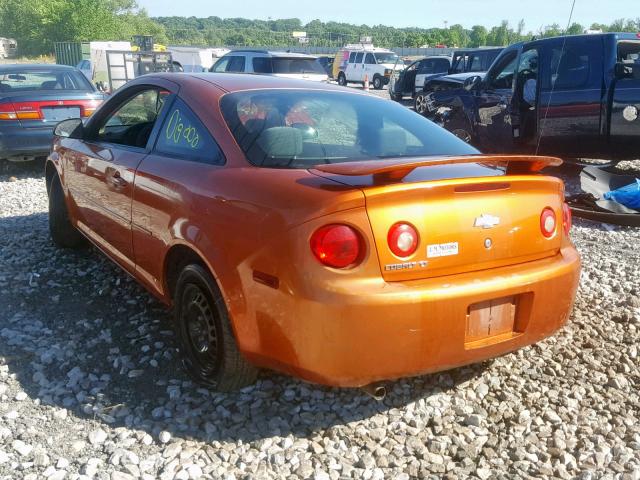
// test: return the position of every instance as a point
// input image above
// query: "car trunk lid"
(464, 223)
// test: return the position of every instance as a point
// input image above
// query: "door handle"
(117, 181)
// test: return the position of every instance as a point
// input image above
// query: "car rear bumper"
(352, 336)
(17, 141)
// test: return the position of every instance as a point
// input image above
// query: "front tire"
(208, 347)
(61, 230)
(420, 103)
(377, 82)
(342, 79)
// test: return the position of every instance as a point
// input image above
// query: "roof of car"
(235, 82)
(21, 67)
(271, 53)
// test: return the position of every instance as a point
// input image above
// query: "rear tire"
(208, 347)
(342, 79)
(62, 231)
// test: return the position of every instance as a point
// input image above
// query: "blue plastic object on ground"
(629, 195)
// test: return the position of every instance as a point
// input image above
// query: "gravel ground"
(90, 386)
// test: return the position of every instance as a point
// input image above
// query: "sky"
(406, 13)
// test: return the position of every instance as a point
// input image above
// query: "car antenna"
(553, 84)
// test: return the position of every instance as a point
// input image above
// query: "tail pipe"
(377, 391)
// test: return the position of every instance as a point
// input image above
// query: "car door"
(571, 94)
(104, 165)
(369, 66)
(349, 70)
(423, 70)
(625, 102)
(178, 168)
(358, 68)
(493, 106)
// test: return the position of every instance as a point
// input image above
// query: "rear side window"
(236, 64)
(352, 57)
(183, 135)
(578, 65)
(262, 65)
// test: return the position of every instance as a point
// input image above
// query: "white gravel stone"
(97, 437)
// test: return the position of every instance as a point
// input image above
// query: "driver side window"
(501, 78)
(131, 123)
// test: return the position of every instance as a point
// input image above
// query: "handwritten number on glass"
(179, 133)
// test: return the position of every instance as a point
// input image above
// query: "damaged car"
(574, 96)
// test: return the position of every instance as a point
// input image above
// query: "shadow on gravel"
(22, 169)
(80, 335)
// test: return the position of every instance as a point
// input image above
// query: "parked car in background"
(33, 99)
(411, 80)
(464, 63)
(8, 47)
(314, 230)
(327, 64)
(575, 96)
(357, 63)
(279, 64)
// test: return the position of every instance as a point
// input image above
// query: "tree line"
(216, 31)
(37, 25)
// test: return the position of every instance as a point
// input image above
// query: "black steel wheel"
(342, 79)
(207, 345)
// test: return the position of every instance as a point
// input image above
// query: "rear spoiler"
(399, 168)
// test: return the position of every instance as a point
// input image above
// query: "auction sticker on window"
(442, 250)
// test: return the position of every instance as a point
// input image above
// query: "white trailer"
(195, 59)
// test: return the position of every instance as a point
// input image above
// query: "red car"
(312, 229)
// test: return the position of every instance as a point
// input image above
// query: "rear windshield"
(302, 128)
(28, 80)
(287, 65)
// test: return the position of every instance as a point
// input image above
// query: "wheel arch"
(50, 170)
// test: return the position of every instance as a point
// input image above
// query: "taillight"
(337, 246)
(33, 110)
(402, 239)
(548, 222)
(566, 218)
(7, 112)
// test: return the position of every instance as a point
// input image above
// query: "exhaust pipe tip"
(377, 391)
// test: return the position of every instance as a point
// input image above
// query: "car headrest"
(281, 142)
(49, 85)
(392, 141)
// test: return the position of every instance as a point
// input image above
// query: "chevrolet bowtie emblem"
(486, 221)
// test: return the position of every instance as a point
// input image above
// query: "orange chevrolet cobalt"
(313, 230)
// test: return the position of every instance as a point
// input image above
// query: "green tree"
(37, 24)
(575, 29)
(478, 36)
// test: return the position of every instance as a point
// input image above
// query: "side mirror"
(472, 83)
(71, 128)
(623, 71)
